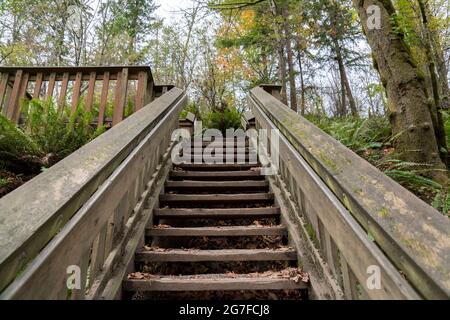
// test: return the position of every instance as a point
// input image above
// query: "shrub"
(57, 133)
(230, 118)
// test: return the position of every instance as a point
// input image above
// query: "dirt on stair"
(187, 255)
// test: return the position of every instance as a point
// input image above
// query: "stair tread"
(217, 167)
(217, 213)
(193, 255)
(217, 175)
(218, 197)
(219, 231)
(215, 282)
(228, 184)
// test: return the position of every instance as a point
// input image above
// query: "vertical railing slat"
(121, 96)
(38, 85)
(63, 92)
(22, 95)
(141, 90)
(76, 92)
(349, 280)
(51, 86)
(14, 99)
(103, 99)
(3, 85)
(91, 91)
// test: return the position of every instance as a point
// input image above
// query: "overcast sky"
(168, 8)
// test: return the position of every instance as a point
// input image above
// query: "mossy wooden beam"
(411, 233)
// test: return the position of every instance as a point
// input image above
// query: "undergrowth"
(372, 139)
(46, 137)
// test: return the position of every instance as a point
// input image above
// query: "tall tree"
(406, 89)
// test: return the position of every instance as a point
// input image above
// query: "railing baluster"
(79, 294)
(121, 96)
(103, 99)
(38, 85)
(63, 92)
(76, 92)
(14, 99)
(349, 281)
(22, 95)
(91, 91)
(141, 90)
(51, 86)
(3, 85)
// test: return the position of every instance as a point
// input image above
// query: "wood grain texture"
(413, 235)
(217, 255)
(213, 284)
(217, 232)
(69, 184)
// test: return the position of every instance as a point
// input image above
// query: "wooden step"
(215, 198)
(224, 151)
(214, 186)
(217, 175)
(229, 255)
(217, 167)
(214, 144)
(218, 214)
(238, 231)
(211, 282)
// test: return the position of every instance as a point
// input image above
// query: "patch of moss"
(383, 213)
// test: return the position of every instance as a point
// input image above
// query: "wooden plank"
(149, 92)
(103, 99)
(216, 283)
(141, 90)
(38, 85)
(237, 231)
(70, 184)
(392, 214)
(63, 92)
(76, 92)
(98, 254)
(217, 175)
(216, 198)
(51, 86)
(121, 97)
(3, 86)
(91, 91)
(249, 185)
(14, 98)
(228, 255)
(134, 70)
(240, 213)
(216, 167)
(349, 281)
(22, 96)
(348, 234)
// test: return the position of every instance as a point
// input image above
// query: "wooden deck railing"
(68, 85)
(360, 220)
(89, 211)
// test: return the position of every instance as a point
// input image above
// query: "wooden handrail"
(410, 233)
(18, 83)
(85, 210)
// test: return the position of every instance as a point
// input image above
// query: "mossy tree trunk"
(409, 107)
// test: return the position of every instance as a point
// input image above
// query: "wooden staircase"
(217, 230)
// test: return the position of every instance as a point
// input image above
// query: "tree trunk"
(302, 80)
(436, 108)
(281, 57)
(345, 83)
(290, 59)
(408, 104)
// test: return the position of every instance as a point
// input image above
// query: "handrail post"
(273, 89)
